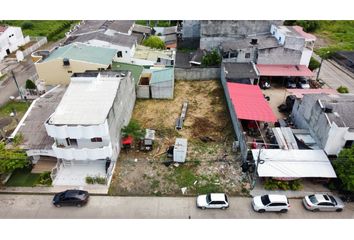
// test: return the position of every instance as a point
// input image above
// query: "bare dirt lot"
(210, 166)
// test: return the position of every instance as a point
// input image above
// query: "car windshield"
(313, 199)
(208, 198)
(265, 200)
(333, 200)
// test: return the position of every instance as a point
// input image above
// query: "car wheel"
(78, 205)
(57, 205)
(223, 208)
(339, 210)
(283, 210)
(261, 210)
(316, 210)
(203, 208)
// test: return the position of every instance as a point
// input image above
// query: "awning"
(294, 163)
(284, 70)
(299, 93)
(249, 102)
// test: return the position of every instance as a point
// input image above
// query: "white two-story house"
(10, 39)
(86, 125)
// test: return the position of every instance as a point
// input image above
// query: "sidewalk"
(94, 189)
(308, 188)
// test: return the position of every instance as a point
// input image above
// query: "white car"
(323, 202)
(212, 200)
(270, 203)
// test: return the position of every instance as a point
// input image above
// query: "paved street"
(39, 206)
(334, 75)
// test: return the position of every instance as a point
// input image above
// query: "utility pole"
(18, 88)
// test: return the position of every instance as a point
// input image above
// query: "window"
(158, 60)
(96, 139)
(66, 62)
(265, 200)
(233, 55)
(217, 202)
(119, 54)
(247, 55)
(277, 204)
(348, 144)
(279, 39)
(313, 199)
(225, 55)
(70, 71)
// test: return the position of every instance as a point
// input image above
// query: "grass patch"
(340, 34)
(160, 23)
(23, 178)
(52, 29)
(20, 107)
(2, 77)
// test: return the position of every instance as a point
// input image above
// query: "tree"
(11, 159)
(308, 26)
(314, 64)
(212, 58)
(133, 129)
(344, 167)
(154, 42)
(30, 84)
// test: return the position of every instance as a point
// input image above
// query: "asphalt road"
(104, 207)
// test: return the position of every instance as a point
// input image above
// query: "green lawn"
(52, 29)
(2, 77)
(20, 107)
(23, 178)
(340, 34)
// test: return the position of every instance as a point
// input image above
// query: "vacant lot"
(210, 165)
(8, 123)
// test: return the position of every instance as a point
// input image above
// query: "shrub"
(26, 25)
(272, 184)
(212, 58)
(90, 180)
(308, 26)
(45, 179)
(154, 42)
(30, 84)
(133, 129)
(94, 180)
(314, 64)
(343, 89)
(18, 139)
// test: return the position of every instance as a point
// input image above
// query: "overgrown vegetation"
(52, 29)
(133, 129)
(19, 107)
(12, 159)
(18, 139)
(272, 184)
(342, 89)
(45, 179)
(30, 84)
(154, 42)
(96, 180)
(314, 64)
(308, 25)
(159, 23)
(212, 58)
(344, 167)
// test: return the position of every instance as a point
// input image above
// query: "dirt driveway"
(210, 165)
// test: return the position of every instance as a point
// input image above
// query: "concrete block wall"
(197, 73)
(279, 55)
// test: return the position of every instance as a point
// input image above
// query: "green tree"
(212, 58)
(314, 64)
(344, 167)
(30, 84)
(11, 159)
(133, 129)
(154, 42)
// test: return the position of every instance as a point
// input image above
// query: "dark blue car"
(71, 198)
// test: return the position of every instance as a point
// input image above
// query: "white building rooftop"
(87, 101)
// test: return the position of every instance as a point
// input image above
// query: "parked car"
(303, 83)
(290, 83)
(264, 84)
(323, 202)
(270, 203)
(212, 200)
(71, 198)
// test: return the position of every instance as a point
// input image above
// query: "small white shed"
(180, 150)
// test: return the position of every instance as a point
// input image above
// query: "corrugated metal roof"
(86, 102)
(163, 75)
(283, 70)
(294, 163)
(136, 70)
(83, 52)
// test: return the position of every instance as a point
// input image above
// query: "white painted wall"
(277, 34)
(337, 136)
(306, 56)
(11, 39)
(83, 154)
(127, 52)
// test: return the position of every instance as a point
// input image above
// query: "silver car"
(323, 202)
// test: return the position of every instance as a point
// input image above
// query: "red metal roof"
(306, 35)
(299, 93)
(249, 102)
(284, 70)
